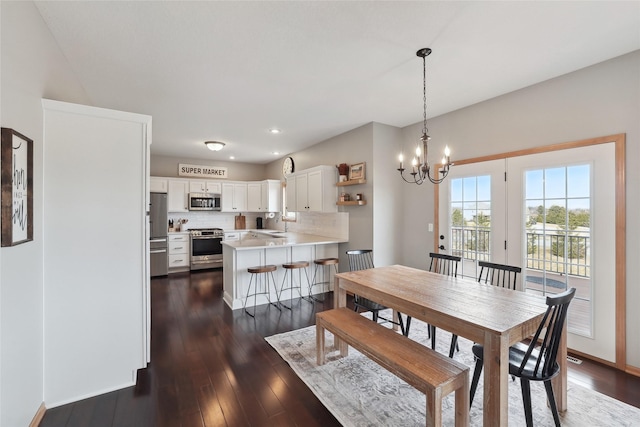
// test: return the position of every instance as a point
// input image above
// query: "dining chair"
(530, 362)
(362, 259)
(498, 274)
(448, 266)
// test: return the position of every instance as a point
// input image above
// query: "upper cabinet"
(271, 191)
(263, 196)
(237, 196)
(157, 184)
(254, 196)
(177, 195)
(312, 190)
(205, 186)
(234, 197)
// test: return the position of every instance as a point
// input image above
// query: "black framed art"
(16, 188)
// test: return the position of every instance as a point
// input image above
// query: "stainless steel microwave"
(204, 202)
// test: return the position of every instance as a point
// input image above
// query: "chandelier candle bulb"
(401, 158)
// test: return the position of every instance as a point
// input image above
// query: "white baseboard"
(88, 395)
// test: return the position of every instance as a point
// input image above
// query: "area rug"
(359, 392)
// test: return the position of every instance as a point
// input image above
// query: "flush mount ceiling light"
(420, 168)
(214, 145)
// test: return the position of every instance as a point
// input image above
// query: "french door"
(472, 215)
(554, 217)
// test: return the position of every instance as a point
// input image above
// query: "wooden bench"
(428, 371)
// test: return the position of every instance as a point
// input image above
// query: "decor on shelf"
(214, 145)
(356, 171)
(343, 171)
(420, 168)
(16, 153)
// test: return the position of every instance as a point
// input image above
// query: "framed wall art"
(16, 187)
(356, 171)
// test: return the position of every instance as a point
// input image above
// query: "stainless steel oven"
(206, 248)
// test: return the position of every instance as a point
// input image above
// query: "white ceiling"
(230, 71)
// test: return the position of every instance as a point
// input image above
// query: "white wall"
(600, 100)
(387, 193)
(94, 251)
(32, 67)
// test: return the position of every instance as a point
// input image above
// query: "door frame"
(620, 226)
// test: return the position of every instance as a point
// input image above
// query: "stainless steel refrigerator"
(158, 256)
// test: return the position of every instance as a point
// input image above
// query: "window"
(286, 215)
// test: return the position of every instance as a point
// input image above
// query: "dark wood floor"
(210, 366)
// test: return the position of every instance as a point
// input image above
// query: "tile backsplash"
(205, 219)
(322, 224)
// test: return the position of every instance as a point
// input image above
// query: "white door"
(558, 211)
(562, 220)
(472, 215)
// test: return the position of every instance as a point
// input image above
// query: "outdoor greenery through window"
(471, 221)
(556, 229)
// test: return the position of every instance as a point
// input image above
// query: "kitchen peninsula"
(271, 247)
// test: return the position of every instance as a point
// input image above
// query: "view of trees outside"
(558, 220)
(471, 218)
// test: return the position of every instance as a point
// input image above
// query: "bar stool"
(324, 264)
(255, 272)
(295, 265)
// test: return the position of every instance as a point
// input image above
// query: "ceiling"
(231, 71)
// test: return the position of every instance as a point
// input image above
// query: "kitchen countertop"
(280, 239)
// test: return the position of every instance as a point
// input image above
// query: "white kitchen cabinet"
(314, 190)
(231, 236)
(271, 195)
(234, 197)
(302, 192)
(254, 197)
(263, 196)
(205, 186)
(157, 184)
(178, 251)
(177, 195)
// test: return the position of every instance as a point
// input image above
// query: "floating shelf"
(352, 203)
(352, 182)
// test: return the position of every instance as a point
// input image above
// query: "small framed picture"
(356, 171)
(16, 183)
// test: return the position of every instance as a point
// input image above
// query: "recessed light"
(274, 131)
(232, 157)
(276, 153)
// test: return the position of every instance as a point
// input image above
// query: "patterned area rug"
(361, 393)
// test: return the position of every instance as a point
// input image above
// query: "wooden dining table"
(492, 316)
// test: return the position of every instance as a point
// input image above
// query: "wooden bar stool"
(324, 264)
(295, 265)
(265, 271)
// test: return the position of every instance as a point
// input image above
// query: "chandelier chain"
(424, 94)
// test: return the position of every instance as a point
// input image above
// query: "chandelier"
(420, 168)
